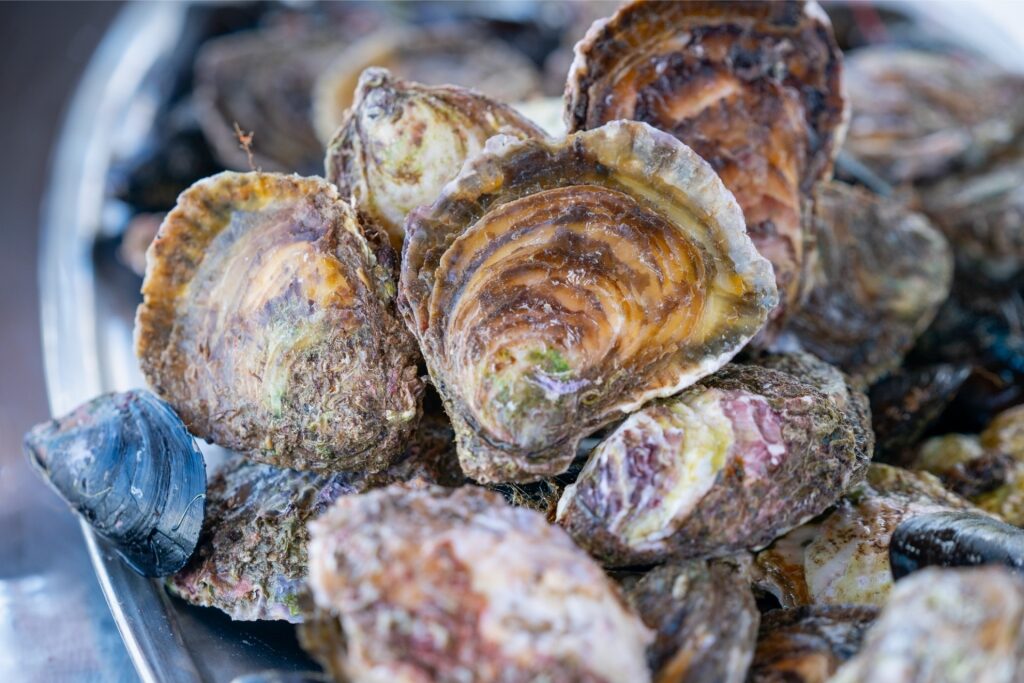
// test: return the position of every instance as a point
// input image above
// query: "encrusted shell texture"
(269, 323)
(401, 142)
(753, 87)
(450, 585)
(556, 285)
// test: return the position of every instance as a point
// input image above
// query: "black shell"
(954, 539)
(126, 463)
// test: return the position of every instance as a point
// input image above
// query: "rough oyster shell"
(727, 465)
(879, 275)
(268, 322)
(753, 87)
(126, 463)
(945, 626)
(917, 114)
(451, 585)
(808, 644)
(451, 55)
(843, 558)
(556, 285)
(401, 142)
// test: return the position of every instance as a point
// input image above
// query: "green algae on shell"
(729, 464)
(557, 285)
(268, 322)
(401, 142)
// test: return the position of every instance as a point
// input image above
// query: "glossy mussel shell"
(126, 463)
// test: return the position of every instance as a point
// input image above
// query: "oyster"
(704, 617)
(556, 285)
(454, 585)
(251, 561)
(982, 214)
(401, 142)
(753, 87)
(946, 626)
(727, 465)
(879, 275)
(452, 55)
(268, 322)
(918, 114)
(843, 557)
(126, 463)
(808, 644)
(954, 539)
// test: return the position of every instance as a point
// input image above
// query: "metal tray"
(87, 316)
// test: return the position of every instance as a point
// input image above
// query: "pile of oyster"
(592, 404)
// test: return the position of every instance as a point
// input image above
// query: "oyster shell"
(954, 539)
(946, 626)
(453, 584)
(982, 214)
(704, 617)
(843, 558)
(753, 87)
(452, 55)
(808, 644)
(556, 285)
(128, 466)
(268, 322)
(918, 114)
(879, 275)
(401, 142)
(727, 465)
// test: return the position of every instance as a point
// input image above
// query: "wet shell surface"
(753, 87)
(269, 323)
(878, 277)
(704, 618)
(452, 585)
(556, 285)
(727, 465)
(843, 558)
(946, 626)
(401, 142)
(450, 55)
(808, 644)
(955, 539)
(917, 114)
(128, 466)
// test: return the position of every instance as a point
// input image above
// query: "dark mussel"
(126, 463)
(954, 539)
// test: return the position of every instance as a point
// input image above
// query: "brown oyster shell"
(704, 617)
(401, 142)
(452, 55)
(808, 644)
(268, 323)
(917, 115)
(946, 626)
(753, 87)
(730, 464)
(879, 275)
(452, 585)
(556, 285)
(843, 558)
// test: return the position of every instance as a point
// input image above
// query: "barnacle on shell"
(730, 464)
(268, 322)
(877, 278)
(917, 115)
(945, 626)
(448, 585)
(808, 644)
(451, 55)
(401, 142)
(753, 87)
(556, 285)
(843, 558)
(704, 618)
